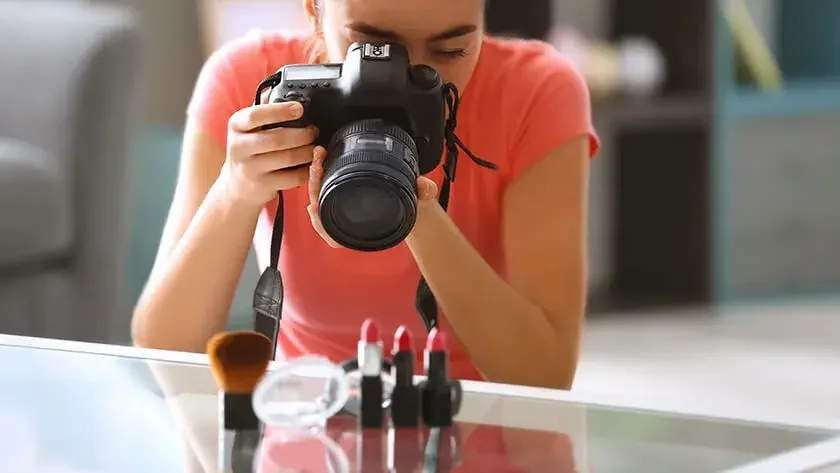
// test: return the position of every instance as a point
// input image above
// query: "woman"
(506, 263)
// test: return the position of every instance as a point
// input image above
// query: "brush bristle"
(239, 360)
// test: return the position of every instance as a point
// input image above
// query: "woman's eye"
(451, 53)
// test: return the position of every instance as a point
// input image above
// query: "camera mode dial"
(295, 96)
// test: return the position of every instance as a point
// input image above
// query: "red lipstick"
(405, 397)
(436, 392)
(370, 365)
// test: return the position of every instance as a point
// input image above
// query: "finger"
(279, 160)
(426, 188)
(277, 139)
(316, 174)
(252, 118)
(315, 218)
(289, 178)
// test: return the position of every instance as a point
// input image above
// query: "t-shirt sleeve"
(556, 109)
(226, 84)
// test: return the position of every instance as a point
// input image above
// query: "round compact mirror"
(304, 392)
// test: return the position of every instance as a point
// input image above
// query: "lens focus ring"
(368, 200)
(370, 157)
(377, 127)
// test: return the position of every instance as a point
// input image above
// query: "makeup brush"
(238, 361)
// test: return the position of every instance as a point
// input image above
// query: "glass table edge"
(809, 458)
(474, 387)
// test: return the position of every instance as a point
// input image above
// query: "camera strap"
(268, 295)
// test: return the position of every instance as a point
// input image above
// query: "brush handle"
(238, 442)
(238, 450)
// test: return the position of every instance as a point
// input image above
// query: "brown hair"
(316, 51)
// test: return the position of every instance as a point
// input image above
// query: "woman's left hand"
(426, 191)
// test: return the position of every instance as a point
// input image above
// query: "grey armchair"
(67, 93)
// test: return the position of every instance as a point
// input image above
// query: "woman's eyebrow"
(376, 32)
(452, 33)
(370, 30)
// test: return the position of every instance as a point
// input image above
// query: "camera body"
(376, 81)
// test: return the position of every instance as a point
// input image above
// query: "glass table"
(74, 407)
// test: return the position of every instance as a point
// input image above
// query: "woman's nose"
(417, 54)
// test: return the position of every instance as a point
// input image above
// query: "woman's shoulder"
(519, 65)
(264, 51)
(545, 101)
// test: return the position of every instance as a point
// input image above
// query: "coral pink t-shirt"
(522, 101)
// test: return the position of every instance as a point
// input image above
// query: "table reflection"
(82, 408)
(469, 446)
(342, 448)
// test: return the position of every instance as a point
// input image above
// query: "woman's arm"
(525, 330)
(201, 256)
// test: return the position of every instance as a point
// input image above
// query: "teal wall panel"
(809, 38)
(805, 38)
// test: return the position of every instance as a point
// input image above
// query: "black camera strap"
(268, 295)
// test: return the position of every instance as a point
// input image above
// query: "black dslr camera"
(382, 122)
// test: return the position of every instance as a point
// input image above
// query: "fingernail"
(296, 109)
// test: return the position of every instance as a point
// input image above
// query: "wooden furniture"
(649, 204)
(717, 192)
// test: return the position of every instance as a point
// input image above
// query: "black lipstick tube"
(405, 397)
(436, 391)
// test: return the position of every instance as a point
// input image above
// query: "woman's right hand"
(261, 162)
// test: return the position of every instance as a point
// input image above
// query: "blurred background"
(715, 202)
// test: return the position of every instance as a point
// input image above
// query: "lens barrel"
(368, 199)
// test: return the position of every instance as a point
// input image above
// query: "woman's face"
(445, 34)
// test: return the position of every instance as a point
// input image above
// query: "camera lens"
(368, 200)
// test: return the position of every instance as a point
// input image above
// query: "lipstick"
(436, 392)
(370, 365)
(405, 397)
